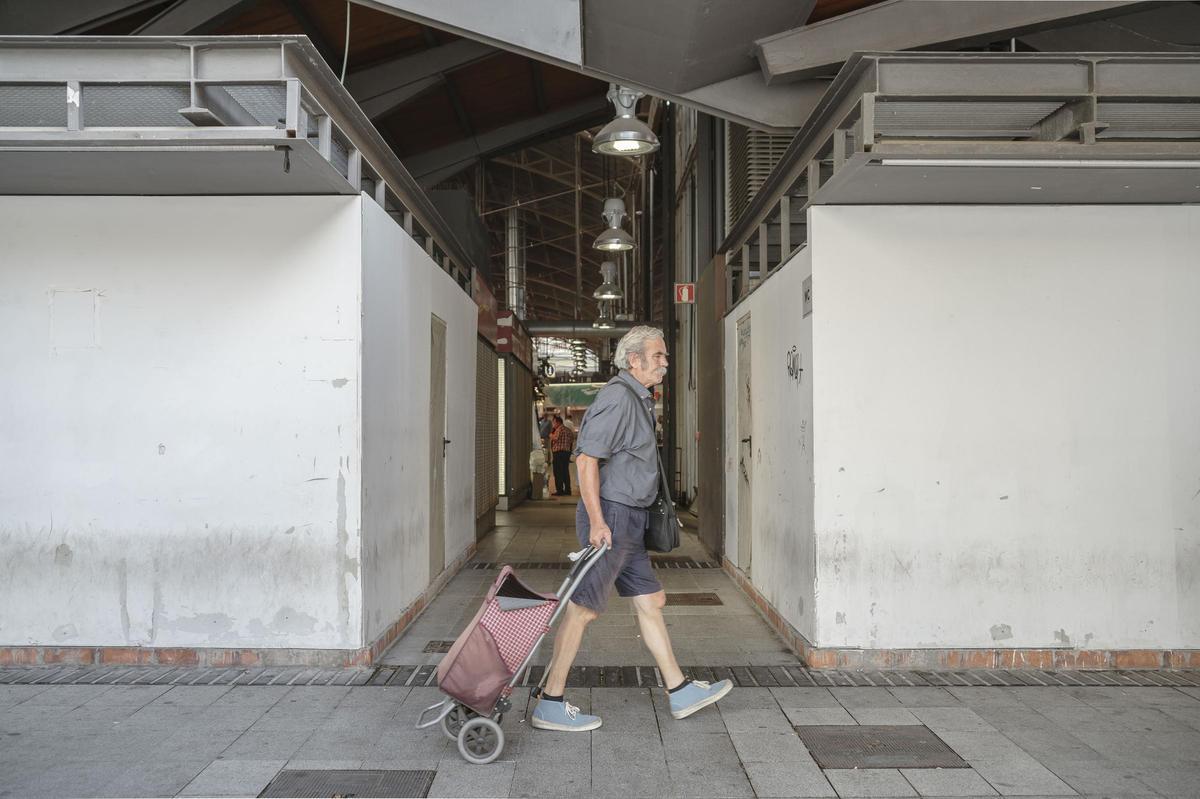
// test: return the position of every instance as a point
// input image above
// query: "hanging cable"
(346, 47)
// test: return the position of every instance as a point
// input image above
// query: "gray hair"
(635, 341)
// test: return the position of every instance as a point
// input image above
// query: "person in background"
(562, 442)
(544, 427)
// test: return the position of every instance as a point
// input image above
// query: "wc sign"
(685, 293)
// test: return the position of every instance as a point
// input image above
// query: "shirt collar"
(642, 391)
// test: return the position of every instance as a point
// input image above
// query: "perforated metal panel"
(33, 107)
(135, 106)
(877, 746)
(345, 782)
(486, 429)
(694, 598)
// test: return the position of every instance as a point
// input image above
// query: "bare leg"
(654, 633)
(566, 645)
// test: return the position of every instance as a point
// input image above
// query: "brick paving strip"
(599, 677)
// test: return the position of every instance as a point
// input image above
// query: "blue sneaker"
(561, 716)
(696, 695)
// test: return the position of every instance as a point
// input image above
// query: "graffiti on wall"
(794, 369)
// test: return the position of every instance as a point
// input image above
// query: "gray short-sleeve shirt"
(618, 432)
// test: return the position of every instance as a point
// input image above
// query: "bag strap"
(662, 473)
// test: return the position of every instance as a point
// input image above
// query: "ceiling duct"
(514, 264)
(577, 329)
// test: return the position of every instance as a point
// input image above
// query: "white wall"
(178, 453)
(402, 288)
(783, 562)
(1008, 451)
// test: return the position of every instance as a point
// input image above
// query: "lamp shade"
(614, 239)
(608, 289)
(625, 136)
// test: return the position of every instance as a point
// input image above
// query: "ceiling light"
(605, 320)
(625, 135)
(608, 290)
(614, 239)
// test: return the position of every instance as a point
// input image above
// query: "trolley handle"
(582, 559)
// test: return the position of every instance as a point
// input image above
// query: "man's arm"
(589, 489)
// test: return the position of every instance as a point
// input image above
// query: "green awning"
(571, 395)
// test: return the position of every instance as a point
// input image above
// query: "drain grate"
(658, 561)
(698, 598)
(347, 782)
(681, 562)
(438, 646)
(787, 674)
(848, 746)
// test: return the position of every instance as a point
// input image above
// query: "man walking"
(618, 480)
(562, 442)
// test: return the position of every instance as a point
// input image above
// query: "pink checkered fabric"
(516, 631)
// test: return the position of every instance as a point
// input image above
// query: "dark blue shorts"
(626, 565)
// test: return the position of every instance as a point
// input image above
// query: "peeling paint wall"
(783, 555)
(402, 286)
(1009, 443)
(180, 455)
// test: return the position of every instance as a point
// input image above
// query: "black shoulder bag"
(662, 525)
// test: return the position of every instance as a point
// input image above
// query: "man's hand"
(600, 534)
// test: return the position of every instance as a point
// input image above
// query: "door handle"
(747, 439)
(445, 441)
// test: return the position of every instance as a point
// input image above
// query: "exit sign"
(685, 293)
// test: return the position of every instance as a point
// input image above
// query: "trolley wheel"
(481, 741)
(452, 722)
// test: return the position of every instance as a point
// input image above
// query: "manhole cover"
(438, 646)
(910, 746)
(338, 782)
(700, 598)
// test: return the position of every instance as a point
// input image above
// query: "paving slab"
(947, 782)
(464, 779)
(808, 716)
(233, 778)
(869, 782)
(896, 716)
(1021, 777)
(1092, 777)
(787, 778)
(153, 778)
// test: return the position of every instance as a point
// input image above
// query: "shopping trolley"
(491, 657)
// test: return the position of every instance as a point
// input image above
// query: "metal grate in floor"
(347, 782)
(658, 561)
(686, 598)
(787, 675)
(876, 746)
(436, 647)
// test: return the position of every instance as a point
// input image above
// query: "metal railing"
(965, 107)
(90, 93)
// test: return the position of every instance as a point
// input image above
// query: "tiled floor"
(231, 741)
(730, 634)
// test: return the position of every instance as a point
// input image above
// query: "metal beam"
(309, 27)
(773, 108)
(384, 87)
(460, 113)
(45, 19)
(436, 165)
(818, 49)
(1160, 29)
(192, 17)
(539, 85)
